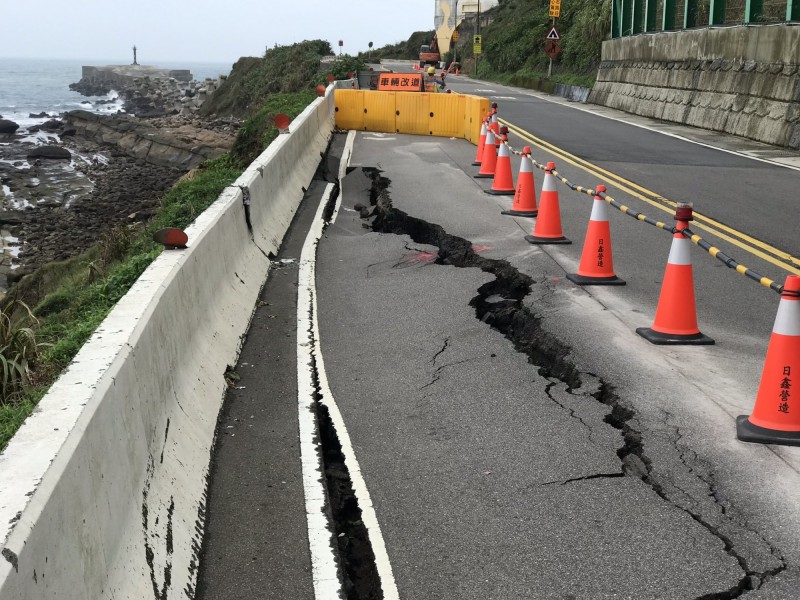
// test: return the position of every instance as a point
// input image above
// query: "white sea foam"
(11, 246)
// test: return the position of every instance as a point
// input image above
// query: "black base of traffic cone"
(476, 163)
(583, 280)
(479, 176)
(673, 339)
(747, 432)
(500, 192)
(532, 239)
(520, 213)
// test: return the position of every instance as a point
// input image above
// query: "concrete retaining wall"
(102, 492)
(741, 80)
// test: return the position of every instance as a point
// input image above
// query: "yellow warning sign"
(555, 8)
(476, 44)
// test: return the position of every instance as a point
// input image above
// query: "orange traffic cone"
(503, 184)
(597, 262)
(481, 143)
(676, 315)
(548, 224)
(489, 158)
(525, 194)
(493, 123)
(776, 415)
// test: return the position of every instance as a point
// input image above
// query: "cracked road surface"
(517, 438)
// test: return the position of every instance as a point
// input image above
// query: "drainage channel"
(499, 304)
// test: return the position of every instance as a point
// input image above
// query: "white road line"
(368, 516)
(324, 569)
(309, 353)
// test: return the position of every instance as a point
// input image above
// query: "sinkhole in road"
(499, 304)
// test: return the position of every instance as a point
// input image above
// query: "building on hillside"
(448, 14)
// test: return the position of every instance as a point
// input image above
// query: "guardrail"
(102, 491)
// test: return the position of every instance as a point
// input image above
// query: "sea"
(32, 86)
(36, 85)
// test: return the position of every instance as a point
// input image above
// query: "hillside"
(513, 41)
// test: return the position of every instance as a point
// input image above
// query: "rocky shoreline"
(65, 184)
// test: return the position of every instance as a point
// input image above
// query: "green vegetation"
(513, 42)
(71, 298)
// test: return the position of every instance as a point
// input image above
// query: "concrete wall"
(102, 491)
(739, 80)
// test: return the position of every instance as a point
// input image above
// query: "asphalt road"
(552, 453)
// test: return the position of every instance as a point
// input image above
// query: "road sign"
(553, 35)
(551, 48)
(555, 8)
(454, 37)
(476, 44)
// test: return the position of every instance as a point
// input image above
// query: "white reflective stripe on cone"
(549, 183)
(787, 321)
(599, 211)
(503, 151)
(526, 166)
(680, 252)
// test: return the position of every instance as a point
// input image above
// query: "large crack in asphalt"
(499, 304)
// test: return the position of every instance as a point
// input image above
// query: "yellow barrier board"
(349, 109)
(415, 113)
(412, 113)
(379, 111)
(447, 114)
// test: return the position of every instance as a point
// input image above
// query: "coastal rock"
(174, 143)
(52, 125)
(7, 126)
(41, 115)
(55, 152)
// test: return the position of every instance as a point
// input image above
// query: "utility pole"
(478, 25)
(455, 27)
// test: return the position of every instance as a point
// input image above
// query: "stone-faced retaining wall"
(740, 80)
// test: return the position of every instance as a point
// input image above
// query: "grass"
(71, 298)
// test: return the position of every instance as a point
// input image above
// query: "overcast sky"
(218, 31)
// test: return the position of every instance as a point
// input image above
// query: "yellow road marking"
(770, 253)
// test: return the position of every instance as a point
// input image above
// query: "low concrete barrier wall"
(740, 80)
(102, 491)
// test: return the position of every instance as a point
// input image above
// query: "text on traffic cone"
(776, 415)
(597, 262)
